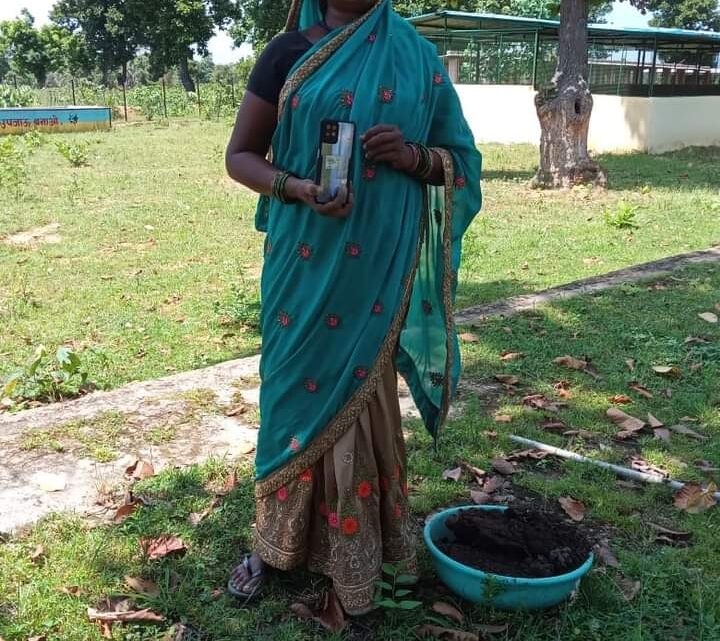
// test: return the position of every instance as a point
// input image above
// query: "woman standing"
(353, 290)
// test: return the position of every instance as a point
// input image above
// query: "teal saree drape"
(341, 297)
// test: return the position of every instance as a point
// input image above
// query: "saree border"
(449, 175)
(346, 417)
(317, 59)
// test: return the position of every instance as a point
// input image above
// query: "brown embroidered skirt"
(348, 513)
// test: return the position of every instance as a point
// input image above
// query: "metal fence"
(158, 100)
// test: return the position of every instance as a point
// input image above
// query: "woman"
(351, 289)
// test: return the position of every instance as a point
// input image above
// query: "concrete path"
(50, 456)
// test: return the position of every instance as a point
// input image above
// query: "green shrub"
(76, 153)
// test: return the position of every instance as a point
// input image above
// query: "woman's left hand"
(386, 143)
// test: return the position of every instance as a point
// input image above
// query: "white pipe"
(618, 469)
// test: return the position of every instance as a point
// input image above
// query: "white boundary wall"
(506, 114)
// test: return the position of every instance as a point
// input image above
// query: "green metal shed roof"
(463, 21)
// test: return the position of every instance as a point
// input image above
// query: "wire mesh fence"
(153, 101)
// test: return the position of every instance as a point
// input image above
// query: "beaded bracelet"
(278, 186)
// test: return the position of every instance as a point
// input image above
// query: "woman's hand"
(306, 191)
(386, 143)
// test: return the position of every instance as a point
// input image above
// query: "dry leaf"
(662, 434)
(606, 555)
(654, 422)
(452, 475)
(38, 553)
(629, 424)
(502, 466)
(539, 402)
(145, 615)
(449, 611)
(693, 499)
(620, 399)
(630, 362)
(469, 337)
(684, 429)
(641, 465)
(536, 454)
(480, 498)
(195, 518)
(507, 379)
(237, 410)
(570, 362)
(691, 340)
(72, 590)
(580, 433)
(553, 425)
(476, 472)
(229, 485)
(710, 317)
(640, 389)
(490, 434)
(143, 586)
(573, 508)
(673, 534)
(503, 418)
(493, 629)
(162, 546)
(140, 470)
(511, 356)
(706, 466)
(444, 634)
(124, 511)
(628, 588)
(669, 371)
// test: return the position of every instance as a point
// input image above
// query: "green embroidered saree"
(342, 297)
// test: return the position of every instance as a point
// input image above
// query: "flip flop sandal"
(258, 577)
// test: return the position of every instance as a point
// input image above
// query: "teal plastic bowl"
(501, 592)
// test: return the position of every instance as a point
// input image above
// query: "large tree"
(686, 14)
(23, 49)
(173, 30)
(107, 27)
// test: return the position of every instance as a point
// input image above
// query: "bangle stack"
(278, 186)
(423, 166)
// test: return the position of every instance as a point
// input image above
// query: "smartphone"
(334, 164)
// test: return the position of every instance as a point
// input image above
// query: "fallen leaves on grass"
(540, 402)
(444, 634)
(693, 499)
(120, 610)
(453, 474)
(493, 629)
(640, 389)
(125, 510)
(606, 555)
(654, 422)
(143, 586)
(709, 317)
(553, 425)
(620, 399)
(330, 615)
(503, 466)
(237, 410)
(706, 466)
(507, 379)
(641, 465)
(195, 518)
(38, 553)
(71, 590)
(469, 337)
(511, 356)
(570, 362)
(629, 424)
(684, 429)
(562, 389)
(535, 454)
(449, 611)
(503, 418)
(668, 371)
(162, 546)
(475, 472)
(140, 470)
(628, 588)
(229, 485)
(662, 434)
(573, 508)
(666, 536)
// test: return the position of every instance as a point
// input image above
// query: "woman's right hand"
(306, 191)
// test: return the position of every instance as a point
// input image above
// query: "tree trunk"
(185, 78)
(565, 106)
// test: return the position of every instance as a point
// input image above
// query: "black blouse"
(273, 66)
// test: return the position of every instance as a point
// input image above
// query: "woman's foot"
(248, 578)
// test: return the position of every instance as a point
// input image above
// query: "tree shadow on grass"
(683, 170)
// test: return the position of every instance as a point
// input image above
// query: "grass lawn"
(679, 587)
(157, 266)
